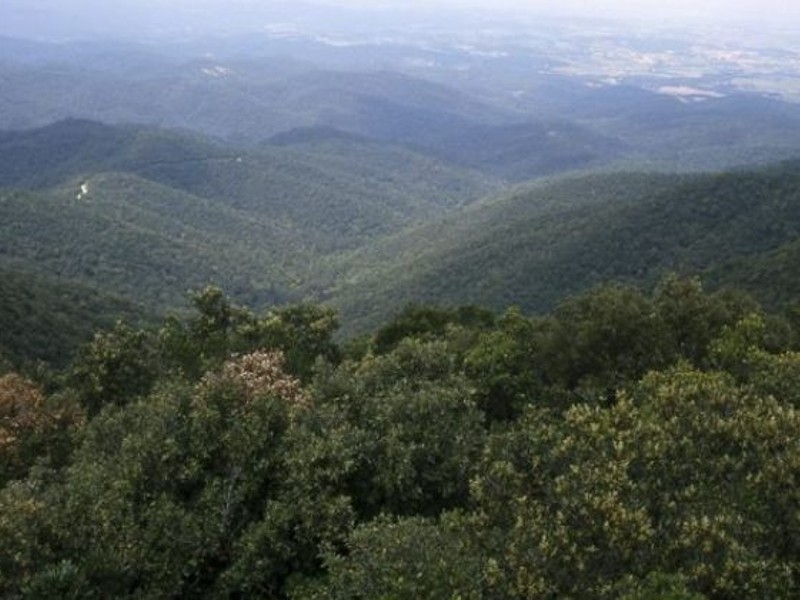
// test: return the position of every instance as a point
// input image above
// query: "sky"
(722, 9)
(27, 18)
(742, 9)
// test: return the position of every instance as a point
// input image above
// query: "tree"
(506, 366)
(428, 322)
(604, 339)
(218, 329)
(114, 368)
(656, 586)
(415, 426)
(165, 493)
(404, 558)
(203, 341)
(32, 427)
(690, 317)
(303, 332)
(689, 475)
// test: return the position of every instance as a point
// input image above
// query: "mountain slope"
(538, 245)
(527, 127)
(46, 156)
(772, 276)
(45, 319)
(247, 100)
(148, 214)
(145, 241)
(332, 196)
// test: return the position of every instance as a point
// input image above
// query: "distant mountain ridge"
(553, 125)
(46, 156)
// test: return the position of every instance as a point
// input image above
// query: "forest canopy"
(626, 445)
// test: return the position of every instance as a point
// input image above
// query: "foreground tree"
(405, 558)
(414, 425)
(114, 368)
(165, 495)
(235, 455)
(688, 475)
(33, 427)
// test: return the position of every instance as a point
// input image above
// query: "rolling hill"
(148, 214)
(332, 195)
(45, 319)
(368, 225)
(245, 100)
(556, 238)
(144, 241)
(551, 124)
(281, 181)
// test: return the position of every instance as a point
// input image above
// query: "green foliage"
(44, 319)
(311, 513)
(405, 558)
(656, 586)
(217, 329)
(506, 368)
(303, 332)
(160, 211)
(596, 343)
(553, 238)
(25, 547)
(143, 241)
(692, 318)
(604, 338)
(114, 368)
(743, 350)
(182, 483)
(625, 446)
(427, 322)
(33, 428)
(202, 341)
(683, 477)
(416, 427)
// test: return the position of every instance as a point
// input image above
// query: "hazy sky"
(637, 8)
(73, 17)
(723, 9)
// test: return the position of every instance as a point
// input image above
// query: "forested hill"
(488, 320)
(332, 203)
(44, 320)
(162, 212)
(369, 226)
(551, 239)
(552, 125)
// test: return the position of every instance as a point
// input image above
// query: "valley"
(454, 164)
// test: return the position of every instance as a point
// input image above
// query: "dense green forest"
(160, 213)
(367, 226)
(43, 320)
(533, 246)
(624, 445)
